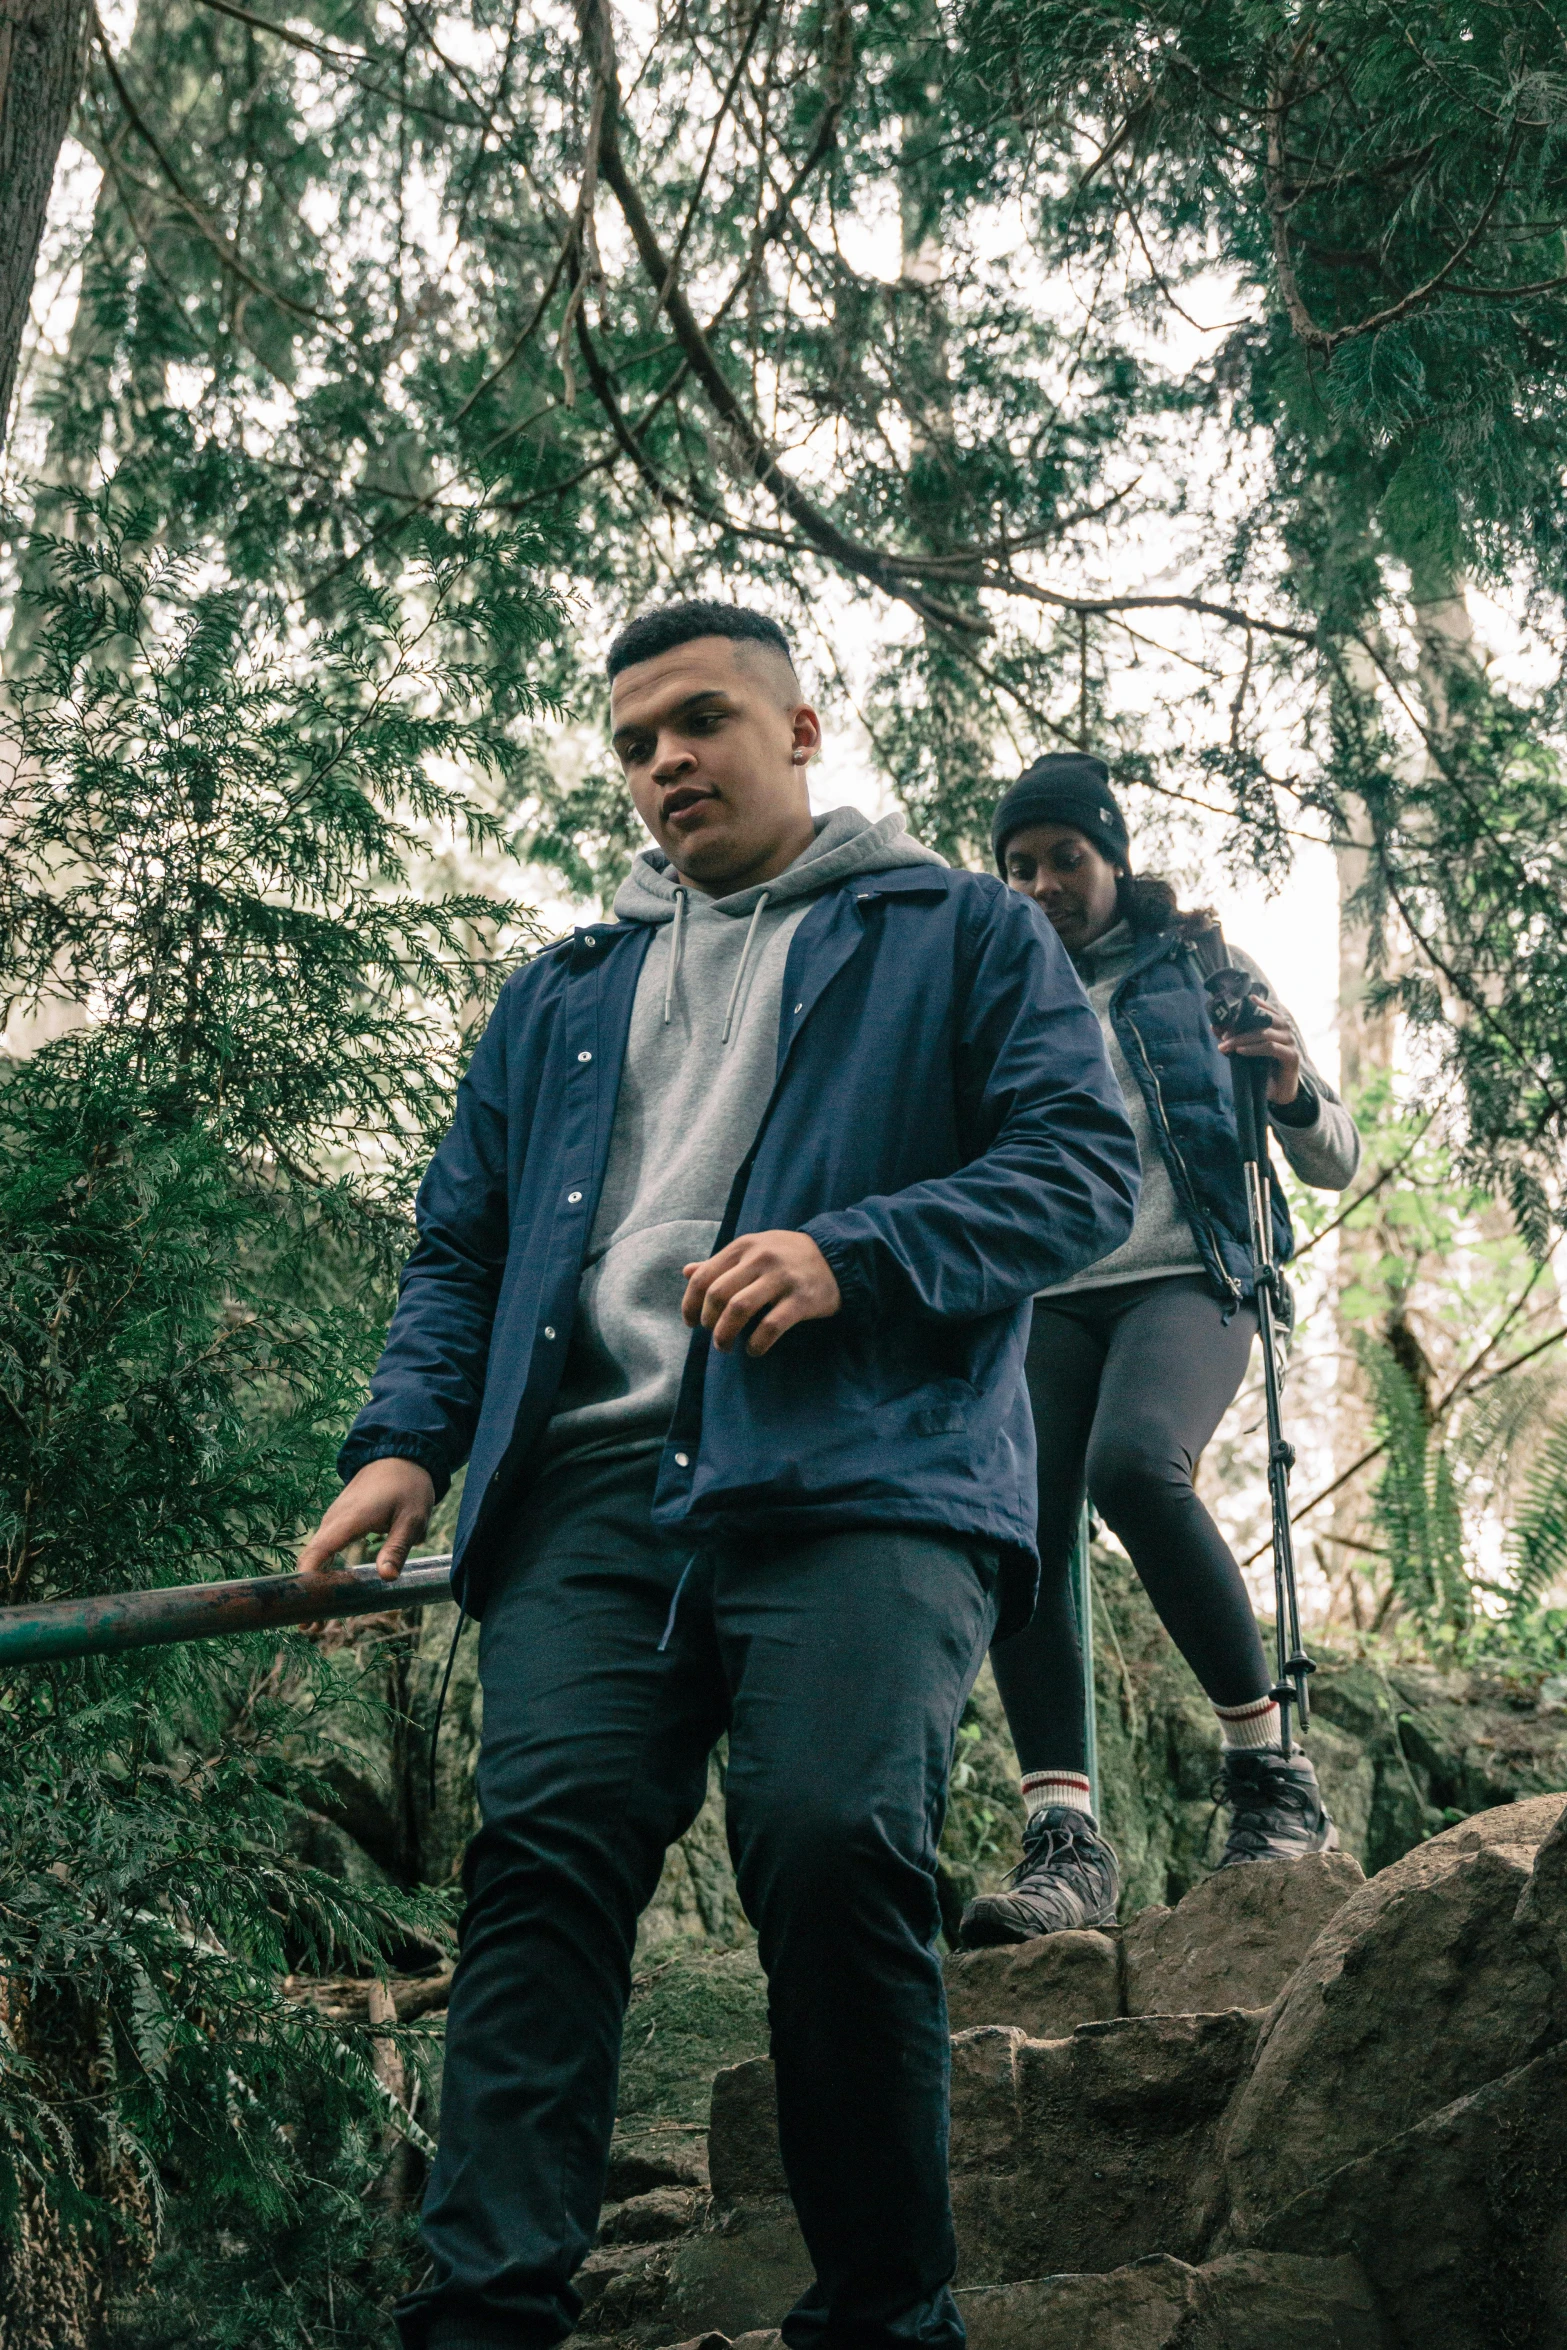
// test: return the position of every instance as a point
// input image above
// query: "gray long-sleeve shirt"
(1323, 1153)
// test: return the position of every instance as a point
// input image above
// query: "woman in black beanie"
(1132, 1365)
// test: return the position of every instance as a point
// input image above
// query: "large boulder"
(1047, 1987)
(987, 2118)
(1244, 2301)
(1418, 1992)
(1145, 2307)
(1236, 1939)
(1084, 2153)
(651, 2218)
(1115, 2154)
(1279, 2301)
(1461, 2220)
(1541, 1916)
(745, 2269)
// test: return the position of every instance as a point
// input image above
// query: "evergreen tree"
(859, 312)
(206, 1187)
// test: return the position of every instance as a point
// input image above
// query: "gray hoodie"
(701, 1056)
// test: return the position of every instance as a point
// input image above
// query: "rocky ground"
(1292, 2107)
(1300, 2110)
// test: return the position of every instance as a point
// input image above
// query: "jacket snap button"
(584, 1056)
(573, 1197)
(590, 940)
(799, 1007)
(548, 1332)
(682, 1460)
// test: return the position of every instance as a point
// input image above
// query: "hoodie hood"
(846, 843)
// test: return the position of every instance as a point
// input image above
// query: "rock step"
(1240, 2301)
(1233, 1942)
(1375, 2155)
(1121, 2118)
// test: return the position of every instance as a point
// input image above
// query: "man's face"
(713, 741)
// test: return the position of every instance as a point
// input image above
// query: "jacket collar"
(1158, 945)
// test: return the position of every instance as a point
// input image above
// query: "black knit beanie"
(1064, 787)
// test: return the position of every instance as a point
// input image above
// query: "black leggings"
(1128, 1383)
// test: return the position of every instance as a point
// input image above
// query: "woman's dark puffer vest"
(1159, 1011)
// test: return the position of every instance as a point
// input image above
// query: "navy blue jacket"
(945, 1125)
(1159, 1010)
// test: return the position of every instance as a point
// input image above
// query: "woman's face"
(1067, 878)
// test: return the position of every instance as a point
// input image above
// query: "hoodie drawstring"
(677, 940)
(674, 1605)
(745, 964)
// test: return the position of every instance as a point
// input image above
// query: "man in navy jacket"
(722, 1290)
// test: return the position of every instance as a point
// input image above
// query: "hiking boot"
(1068, 1877)
(1276, 1806)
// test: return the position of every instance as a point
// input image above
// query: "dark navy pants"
(839, 1667)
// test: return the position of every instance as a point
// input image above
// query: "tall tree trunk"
(1365, 1043)
(43, 51)
(1447, 667)
(933, 504)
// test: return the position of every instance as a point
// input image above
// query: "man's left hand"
(780, 1276)
(1275, 1043)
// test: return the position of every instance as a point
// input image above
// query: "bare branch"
(748, 442)
(1459, 1392)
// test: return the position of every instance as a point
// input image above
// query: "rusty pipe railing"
(110, 1622)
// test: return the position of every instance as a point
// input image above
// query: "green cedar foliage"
(204, 1190)
(1386, 189)
(380, 248)
(754, 302)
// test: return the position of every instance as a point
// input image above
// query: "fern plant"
(1417, 1505)
(1537, 1537)
(1471, 1502)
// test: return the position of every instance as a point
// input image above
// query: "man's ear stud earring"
(798, 757)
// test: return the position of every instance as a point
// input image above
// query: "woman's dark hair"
(1148, 904)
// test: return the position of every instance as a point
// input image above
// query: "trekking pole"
(1237, 1011)
(108, 1623)
(1083, 1607)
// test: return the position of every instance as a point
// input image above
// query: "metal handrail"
(110, 1622)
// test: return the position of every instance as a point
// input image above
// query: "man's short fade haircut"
(652, 633)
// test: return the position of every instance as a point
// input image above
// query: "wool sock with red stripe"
(1044, 1789)
(1254, 1724)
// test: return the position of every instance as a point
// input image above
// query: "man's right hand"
(391, 1497)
